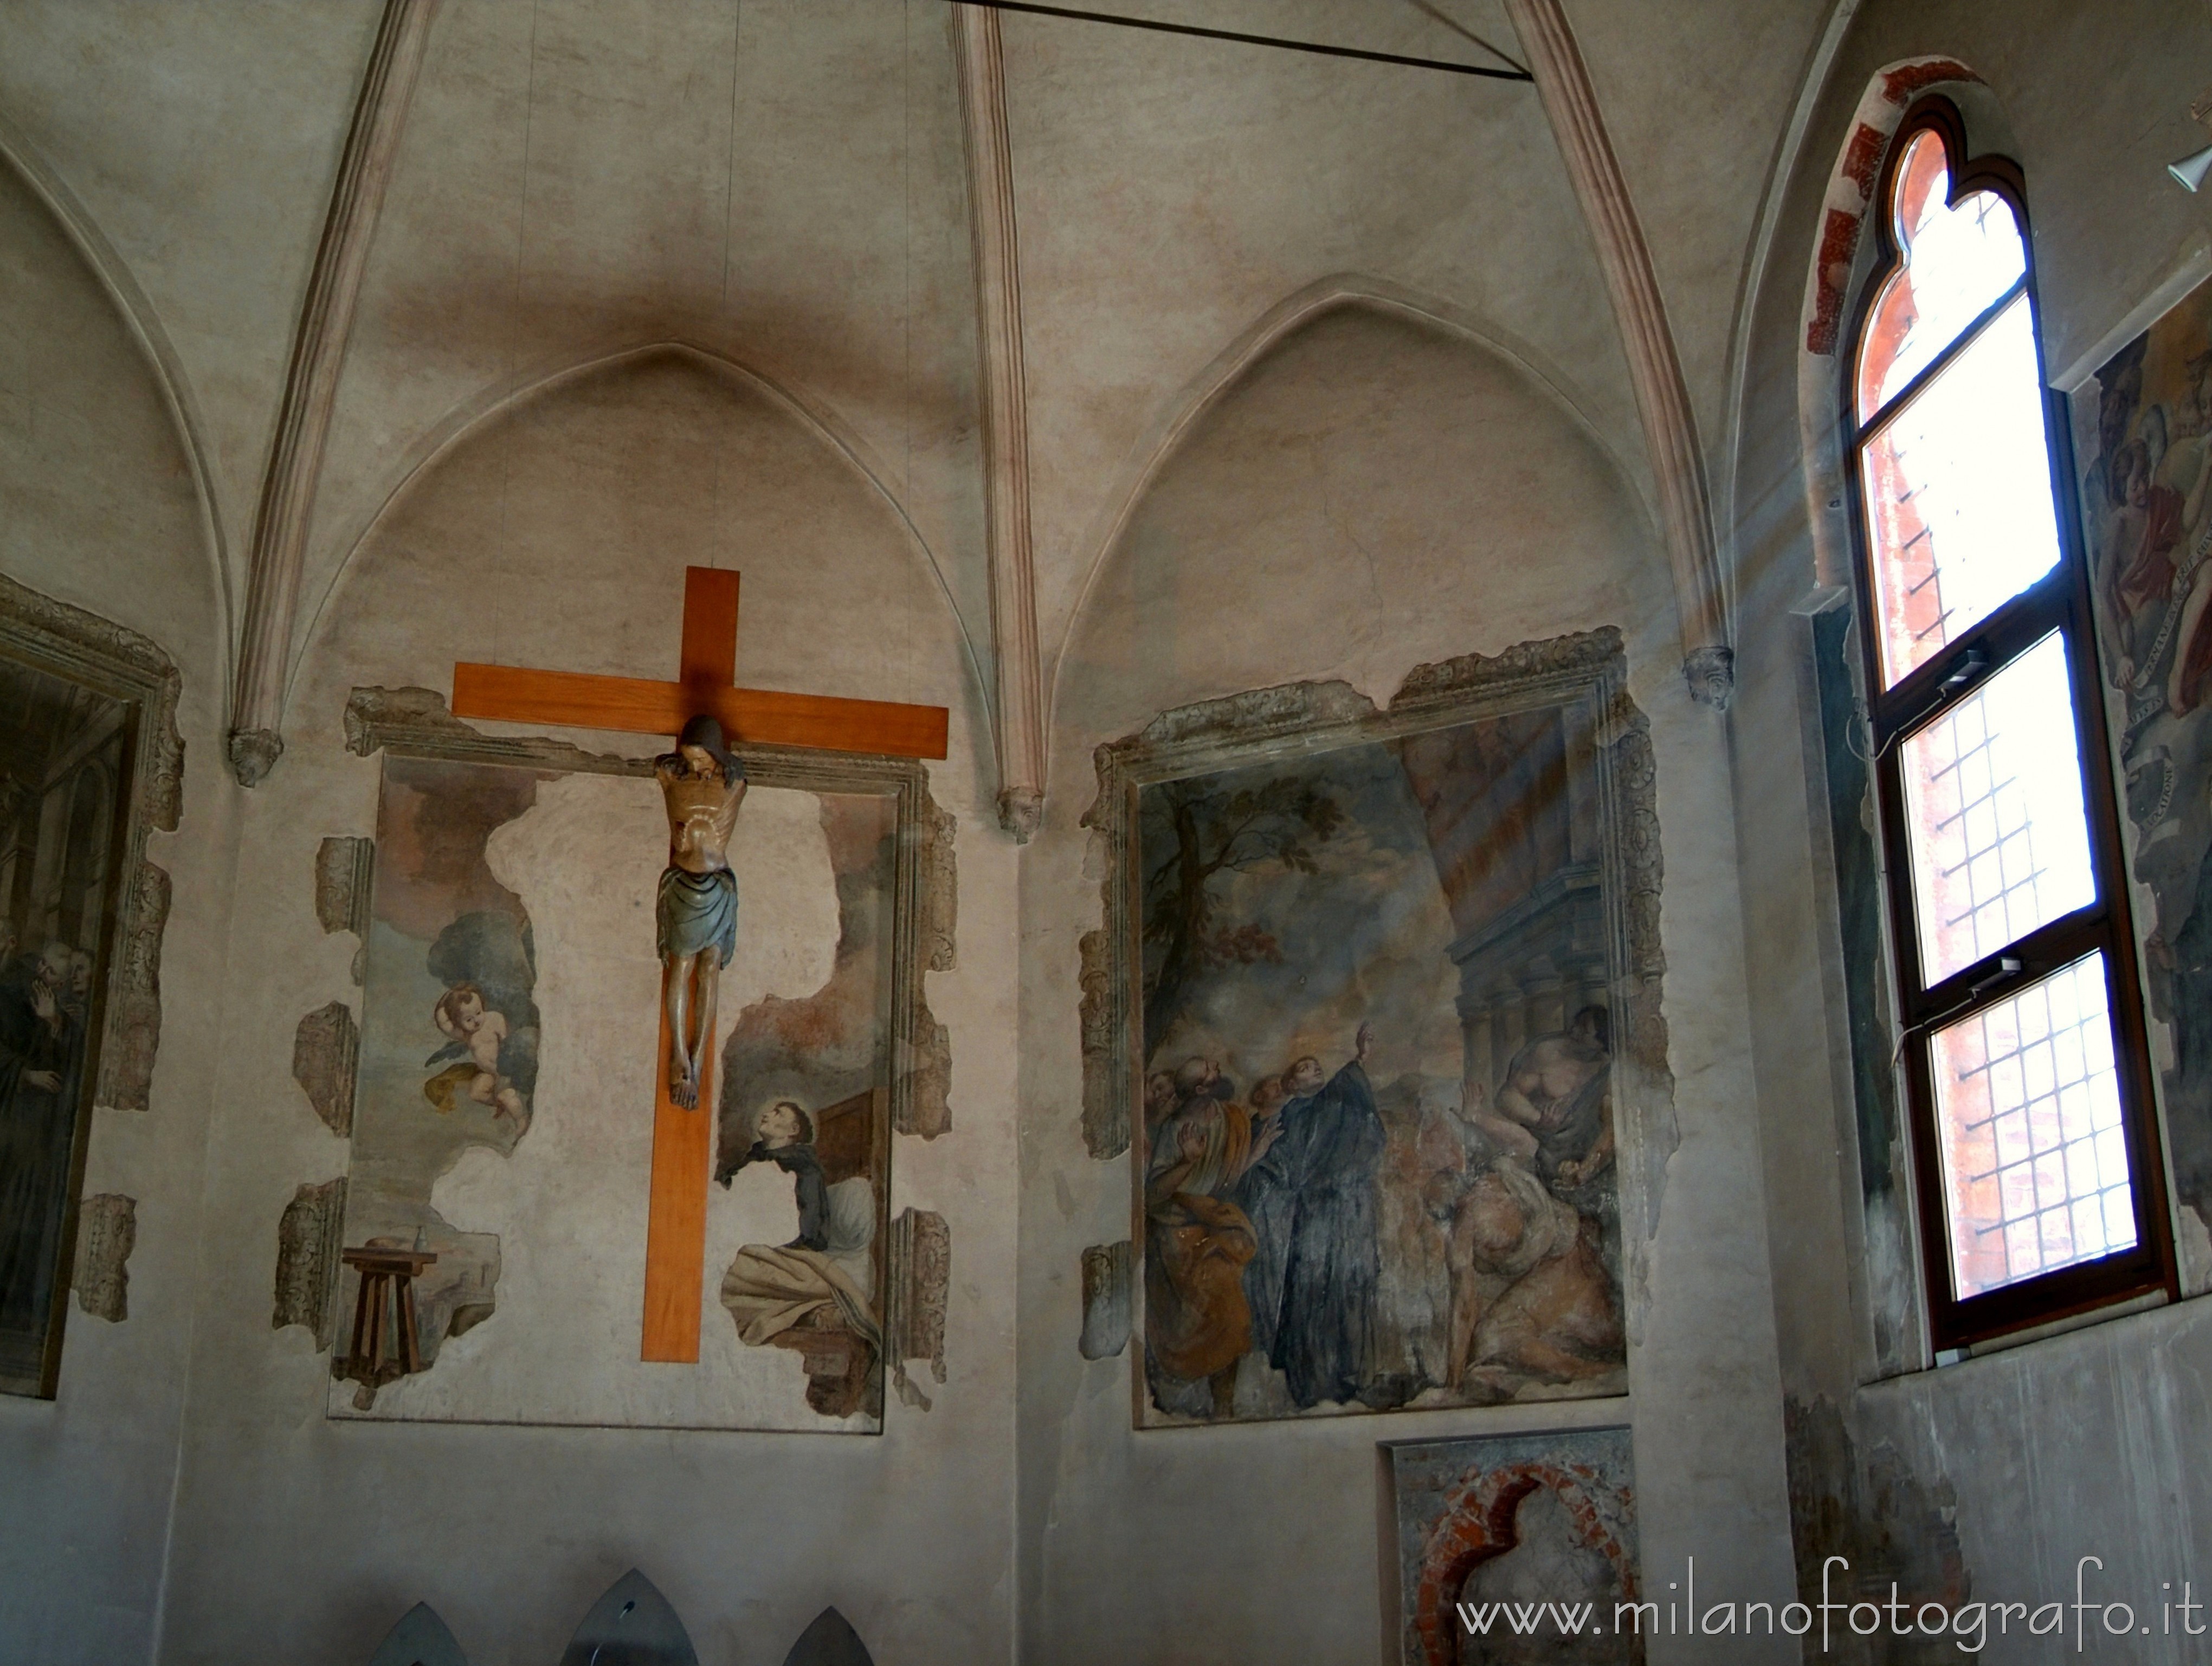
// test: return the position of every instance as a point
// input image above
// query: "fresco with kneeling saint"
(504, 1117)
(1379, 1158)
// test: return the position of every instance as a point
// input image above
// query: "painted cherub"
(477, 1031)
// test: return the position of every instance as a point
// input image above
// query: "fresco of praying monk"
(697, 913)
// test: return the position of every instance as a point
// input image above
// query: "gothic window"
(2035, 1149)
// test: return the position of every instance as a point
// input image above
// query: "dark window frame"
(2060, 602)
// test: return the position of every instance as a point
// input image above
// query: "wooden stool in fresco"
(387, 1280)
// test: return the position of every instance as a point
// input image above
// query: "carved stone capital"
(1021, 812)
(253, 754)
(1710, 672)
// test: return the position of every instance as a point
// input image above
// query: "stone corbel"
(1019, 672)
(1655, 369)
(295, 460)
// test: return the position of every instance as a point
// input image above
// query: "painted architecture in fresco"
(1496, 1525)
(1379, 1151)
(2144, 441)
(61, 789)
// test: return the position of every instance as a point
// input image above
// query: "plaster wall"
(1374, 493)
(1171, 193)
(302, 1538)
(2064, 1447)
(234, 115)
(782, 181)
(98, 509)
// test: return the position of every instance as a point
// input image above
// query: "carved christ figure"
(697, 914)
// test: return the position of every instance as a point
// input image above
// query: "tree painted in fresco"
(1189, 835)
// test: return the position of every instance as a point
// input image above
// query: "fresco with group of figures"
(62, 797)
(1379, 1156)
(2143, 440)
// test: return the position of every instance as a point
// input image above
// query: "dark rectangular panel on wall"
(64, 793)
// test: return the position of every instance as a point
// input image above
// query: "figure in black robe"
(38, 1075)
(787, 1142)
(1263, 1193)
(1325, 1162)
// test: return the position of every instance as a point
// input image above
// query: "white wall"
(1375, 494)
(98, 509)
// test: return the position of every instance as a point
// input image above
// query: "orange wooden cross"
(675, 1222)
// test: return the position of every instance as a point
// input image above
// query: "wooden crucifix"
(702, 796)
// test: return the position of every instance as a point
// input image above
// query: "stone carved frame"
(81, 647)
(1589, 669)
(414, 722)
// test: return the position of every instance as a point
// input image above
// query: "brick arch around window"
(1876, 705)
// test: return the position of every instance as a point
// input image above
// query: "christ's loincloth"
(696, 912)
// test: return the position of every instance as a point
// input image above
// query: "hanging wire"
(1428, 9)
(1314, 47)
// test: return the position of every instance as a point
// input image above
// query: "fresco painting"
(1491, 1528)
(504, 1110)
(1378, 1159)
(2144, 438)
(449, 1044)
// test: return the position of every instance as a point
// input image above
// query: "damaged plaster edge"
(925, 1107)
(1108, 1270)
(106, 1233)
(132, 1038)
(928, 902)
(940, 885)
(1637, 871)
(1874, 1508)
(325, 1060)
(920, 1267)
(343, 869)
(308, 1237)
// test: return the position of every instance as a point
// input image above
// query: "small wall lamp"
(2188, 173)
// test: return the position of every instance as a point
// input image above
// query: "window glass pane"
(1994, 810)
(1958, 496)
(1957, 261)
(2035, 1166)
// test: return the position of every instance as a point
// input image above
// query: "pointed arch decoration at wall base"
(1654, 369)
(295, 458)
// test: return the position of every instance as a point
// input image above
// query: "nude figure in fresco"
(697, 913)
